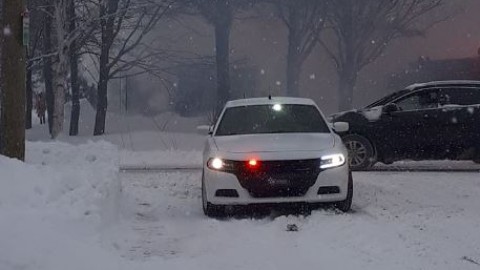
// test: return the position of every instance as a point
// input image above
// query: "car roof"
(443, 83)
(267, 101)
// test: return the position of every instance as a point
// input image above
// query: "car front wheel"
(346, 204)
(210, 210)
(361, 154)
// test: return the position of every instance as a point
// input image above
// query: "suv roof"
(443, 83)
(266, 101)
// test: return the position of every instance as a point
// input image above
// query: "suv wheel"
(361, 154)
(210, 210)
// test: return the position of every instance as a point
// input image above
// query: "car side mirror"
(205, 129)
(391, 108)
(340, 127)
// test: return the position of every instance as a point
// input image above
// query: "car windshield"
(389, 98)
(278, 118)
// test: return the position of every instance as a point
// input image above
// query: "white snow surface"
(53, 206)
(68, 207)
(373, 114)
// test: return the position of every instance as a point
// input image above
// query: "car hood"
(274, 142)
(369, 114)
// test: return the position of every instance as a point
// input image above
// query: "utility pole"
(13, 34)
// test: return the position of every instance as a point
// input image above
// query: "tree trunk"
(347, 81)
(101, 106)
(75, 113)
(347, 72)
(29, 103)
(13, 81)
(293, 76)
(222, 53)
(60, 68)
(294, 63)
(102, 102)
(59, 99)
(107, 15)
(47, 65)
(294, 66)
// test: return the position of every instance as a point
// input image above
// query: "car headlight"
(331, 161)
(215, 164)
(229, 166)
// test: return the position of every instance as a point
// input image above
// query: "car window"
(385, 100)
(420, 100)
(462, 96)
(278, 118)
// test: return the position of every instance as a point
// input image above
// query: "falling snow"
(7, 31)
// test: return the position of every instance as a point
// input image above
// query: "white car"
(274, 150)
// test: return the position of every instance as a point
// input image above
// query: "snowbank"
(52, 206)
(67, 207)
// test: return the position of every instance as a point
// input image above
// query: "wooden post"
(13, 80)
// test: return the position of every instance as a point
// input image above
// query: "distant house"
(425, 70)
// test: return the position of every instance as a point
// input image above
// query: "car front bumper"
(217, 180)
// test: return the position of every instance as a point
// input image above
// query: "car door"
(412, 131)
(461, 121)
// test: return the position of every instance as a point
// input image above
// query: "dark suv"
(436, 120)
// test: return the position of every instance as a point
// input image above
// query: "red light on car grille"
(253, 163)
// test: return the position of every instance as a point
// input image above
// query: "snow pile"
(373, 114)
(52, 205)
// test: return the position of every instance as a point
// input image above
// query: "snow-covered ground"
(400, 221)
(69, 207)
(166, 139)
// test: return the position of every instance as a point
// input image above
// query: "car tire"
(209, 209)
(346, 204)
(361, 154)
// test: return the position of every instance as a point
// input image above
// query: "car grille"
(285, 178)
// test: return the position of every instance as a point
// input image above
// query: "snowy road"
(401, 220)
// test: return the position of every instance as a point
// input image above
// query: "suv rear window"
(463, 96)
(278, 118)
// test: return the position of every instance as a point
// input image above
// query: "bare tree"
(363, 29)
(74, 58)
(60, 65)
(47, 50)
(13, 81)
(36, 29)
(59, 43)
(220, 14)
(305, 20)
(123, 24)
